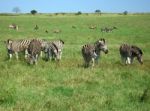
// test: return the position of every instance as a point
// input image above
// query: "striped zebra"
(129, 52)
(91, 52)
(16, 46)
(106, 29)
(53, 49)
(34, 50)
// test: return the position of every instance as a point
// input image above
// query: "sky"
(53, 6)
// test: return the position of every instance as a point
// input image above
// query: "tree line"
(33, 12)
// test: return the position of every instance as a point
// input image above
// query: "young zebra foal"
(128, 53)
(91, 52)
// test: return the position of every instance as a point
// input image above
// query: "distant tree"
(79, 13)
(16, 9)
(63, 13)
(125, 12)
(33, 12)
(56, 13)
(98, 11)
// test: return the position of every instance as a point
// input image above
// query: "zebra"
(13, 26)
(106, 29)
(53, 49)
(16, 46)
(91, 52)
(101, 45)
(34, 50)
(129, 52)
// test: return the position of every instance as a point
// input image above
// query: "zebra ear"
(100, 40)
(104, 40)
(62, 41)
(9, 41)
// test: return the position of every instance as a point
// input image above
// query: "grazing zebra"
(16, 46)
(91, 52)
(106, 29)
(128, 53)
(34, 50)
(53, 49)
(13, 26)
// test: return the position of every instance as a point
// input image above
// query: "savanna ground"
(68, 86)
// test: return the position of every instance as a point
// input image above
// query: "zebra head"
(9, 45)
(101, 46)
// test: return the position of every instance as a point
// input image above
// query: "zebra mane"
(55, 46)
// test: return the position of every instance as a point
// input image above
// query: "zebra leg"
(93, 62)
(96, 59)
(60, 55)
(49, 55)
(26, 54)
(85, 64)
(132, 60)
(16, 53)
(41, 54)
(128, 60)
(10, 56)
(36, 58)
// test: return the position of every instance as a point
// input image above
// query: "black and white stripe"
(53, 49)
(129, 52)
(91, 52)
(108, 29)
(16, 46)
(34, 49)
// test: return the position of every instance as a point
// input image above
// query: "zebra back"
(58, 44)
(18, 45)
(21, 44)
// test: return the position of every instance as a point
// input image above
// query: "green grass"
(67, 86)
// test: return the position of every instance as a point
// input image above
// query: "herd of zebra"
(103, 29)
(34, 47)
(91, 53)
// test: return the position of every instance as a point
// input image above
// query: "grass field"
(67, 86)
